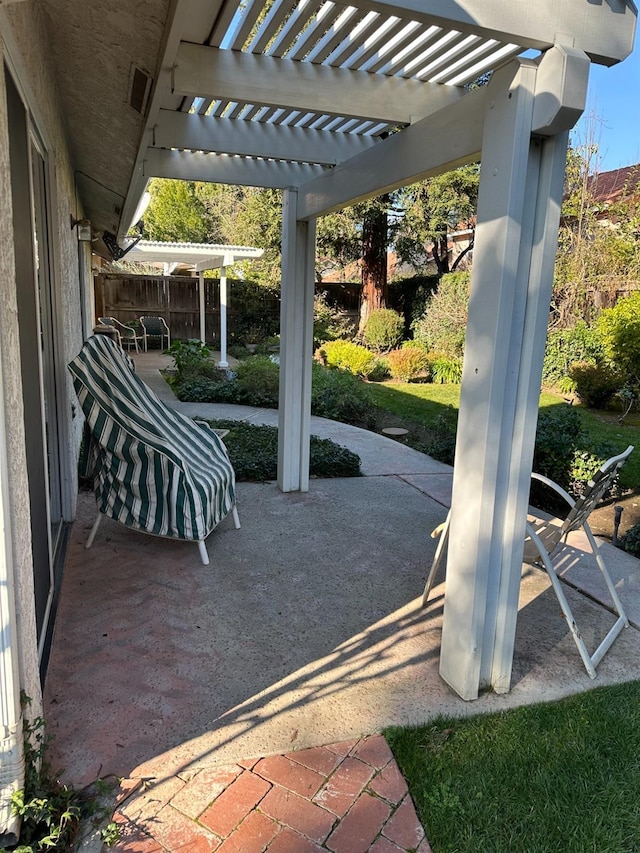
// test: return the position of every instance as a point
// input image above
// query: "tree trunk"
(374, 263)
(441, 255)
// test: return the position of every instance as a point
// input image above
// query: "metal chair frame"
(544, 543)
(157, 328)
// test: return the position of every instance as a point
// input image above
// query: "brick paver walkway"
(347, 797)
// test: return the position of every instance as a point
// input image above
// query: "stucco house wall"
(26, 53)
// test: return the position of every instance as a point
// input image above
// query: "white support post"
(518, 216)
(223, 317)
(296, 349)
(202, 308)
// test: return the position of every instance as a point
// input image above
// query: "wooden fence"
(175, 298)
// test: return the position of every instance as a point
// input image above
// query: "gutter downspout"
(11, 737)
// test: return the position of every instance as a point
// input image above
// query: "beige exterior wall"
(25, 49)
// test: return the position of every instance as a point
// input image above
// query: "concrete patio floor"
(305, 632)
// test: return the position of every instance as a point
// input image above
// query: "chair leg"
(236, 518)
(590, 661)
(204, 556)
(443, 531)
(94, 530)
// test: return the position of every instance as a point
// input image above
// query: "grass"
(422, 403)
(546, 778)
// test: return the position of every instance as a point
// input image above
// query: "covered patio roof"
(197, 256)
(200, 257)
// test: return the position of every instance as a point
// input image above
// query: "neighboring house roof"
(617, 184)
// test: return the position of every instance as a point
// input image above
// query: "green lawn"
(556, 778)
(422, 403)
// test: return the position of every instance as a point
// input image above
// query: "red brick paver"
(347, 797)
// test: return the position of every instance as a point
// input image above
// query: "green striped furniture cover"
(153, 469)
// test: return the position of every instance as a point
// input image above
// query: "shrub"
(595, 384)
(442, 446)
(341, 396)
(408, 363)
(631, 540)
(446, 370)
(257, 382)
(558, 435)
(329, 323)
(443, 325)
(566, 346)
(619, 329)
(349, 356)
(200, 389)
(383, 330)
(253, 450)
(191, 357)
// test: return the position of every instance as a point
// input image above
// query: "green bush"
(253, 450)
(329, 323)
(443, 325)
(631, 540)
(383, 330)
(619, 330)
(566, 346)
(257, 382)
(446, 370)
(408, 363)
(341, 396)
(192, 357)
(558, 436)
(200, 389)
(349, 356)
(442, 445)
(595, 384)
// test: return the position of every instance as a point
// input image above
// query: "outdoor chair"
(545, 542)
(155, 327)
(153, 469)
(128, 335)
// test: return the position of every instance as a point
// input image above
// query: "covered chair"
(545, 541)
(155, 327)
(128, 335)
(153, 469)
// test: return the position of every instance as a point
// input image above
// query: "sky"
(612, 116)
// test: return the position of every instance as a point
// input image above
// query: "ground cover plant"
(253, 450)
(562, 776)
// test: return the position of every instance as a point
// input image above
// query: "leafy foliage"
(348, 356)
(341, 396)
(446, 370)
(433, 208)
(631, 540)
(408, 363)
(578, 343)
(257, 382)
(253, 450)
(329, 323)
(175, 213)
(383, 330)
(595, 384)
(191, 356)
(50, 812)
(619, 329)
(442, 327)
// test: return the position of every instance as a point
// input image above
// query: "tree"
(176, 214)
(432, 210)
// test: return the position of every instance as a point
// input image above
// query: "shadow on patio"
(304, 630)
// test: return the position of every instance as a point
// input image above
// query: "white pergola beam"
(208, 72)
(256, 139)
(222, 169)
(449, 138)
(604, 29)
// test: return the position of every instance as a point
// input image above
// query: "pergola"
(200, 257)
(337, 103)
